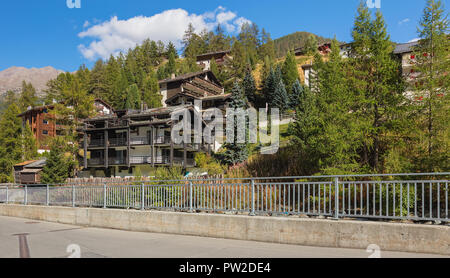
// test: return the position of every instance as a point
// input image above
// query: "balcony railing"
(162, 140)
(139, 140)
(114, 142)
(97, 143)
(140, 159)
(116, 161)
(96, 161)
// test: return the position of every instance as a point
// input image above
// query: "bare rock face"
(11, 79)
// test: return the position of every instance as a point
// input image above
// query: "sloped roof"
(25, 163)
(405, 47)
(37, 164)
(190, 75)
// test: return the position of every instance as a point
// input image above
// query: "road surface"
(37, 239)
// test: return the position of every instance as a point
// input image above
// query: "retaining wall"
(312, 232)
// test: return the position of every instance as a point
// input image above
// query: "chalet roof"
(36, 108)
(210, 54)
(104, 103)
(190, 75)
(224, 96)
(37, 164)
(25, 163)
(405, 47)
(213, 97)
(155, 111)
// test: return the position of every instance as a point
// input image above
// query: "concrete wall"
(312, 232)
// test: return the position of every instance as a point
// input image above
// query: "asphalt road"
(36, 239)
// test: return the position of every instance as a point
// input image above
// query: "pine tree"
(10, 142)
(151, 94)
(294, 97)
(290, 70)
(378, 82)
(280, 97)
(235, 152)
(311, 45)
(171, 65)
(29, 144)
(269, 85)
(133, 100)
(57, 167)
(432, 64)
(28, 97)
(171, 49)
(248, 84)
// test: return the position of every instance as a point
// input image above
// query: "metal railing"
(420, 197)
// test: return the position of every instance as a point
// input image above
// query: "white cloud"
(406, 20)
(86, 24)
(113, 36)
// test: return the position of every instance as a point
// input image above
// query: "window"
(45, 122)
(45, 132)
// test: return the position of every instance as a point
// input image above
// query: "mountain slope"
(11, 79)
(292, 41)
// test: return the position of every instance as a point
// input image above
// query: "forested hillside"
(295, 40)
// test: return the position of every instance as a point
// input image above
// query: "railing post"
(252, 212)
(104, 195)
(7, 195)
(47, 195)
(25, 197)
(336, 198)
(142, 197)
(190, 197)
(73, 195)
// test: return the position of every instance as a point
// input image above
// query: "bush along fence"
(421, 197)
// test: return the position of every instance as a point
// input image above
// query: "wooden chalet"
(221, 58)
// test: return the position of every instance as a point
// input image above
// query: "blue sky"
(46, 32)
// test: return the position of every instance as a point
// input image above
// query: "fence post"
(73, 195)
(252, 213)
(7, 195)
(142, 197)
(47, 195)
(190, 197)
(104, 195)
(336, 198)
(25, 198)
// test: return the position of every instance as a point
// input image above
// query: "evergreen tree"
(294, 97)
(269, 84)
(290, 70)
(29, 144)
(236, 152)
(378, 83)
(10, 142)
(171, 65)
(172, 50)
(28, 97)
(267, 47)
(432, 84)
(57, 167)
(280, 97)
(151, 94)
(248, 84)
(311, 45)
(133, 97)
